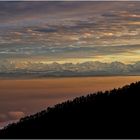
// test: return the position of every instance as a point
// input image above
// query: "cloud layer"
(70, 31)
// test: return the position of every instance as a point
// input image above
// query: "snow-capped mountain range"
(90, 68)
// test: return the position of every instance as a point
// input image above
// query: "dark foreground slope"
(112, 114)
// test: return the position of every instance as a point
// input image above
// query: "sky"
(69, 32)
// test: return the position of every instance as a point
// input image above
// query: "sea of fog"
(21, 97)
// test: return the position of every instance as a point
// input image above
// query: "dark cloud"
(67, 52)
(46, 30)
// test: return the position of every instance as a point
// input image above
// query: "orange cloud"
(16, 114)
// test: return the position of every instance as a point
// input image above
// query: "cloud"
(10, 116)
(14, 115)
(69, 30)
(46, 30)
(3, 117)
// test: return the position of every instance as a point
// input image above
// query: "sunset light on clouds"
(52, 51)
(70, 31)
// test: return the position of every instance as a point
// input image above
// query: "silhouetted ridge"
(109, 114)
